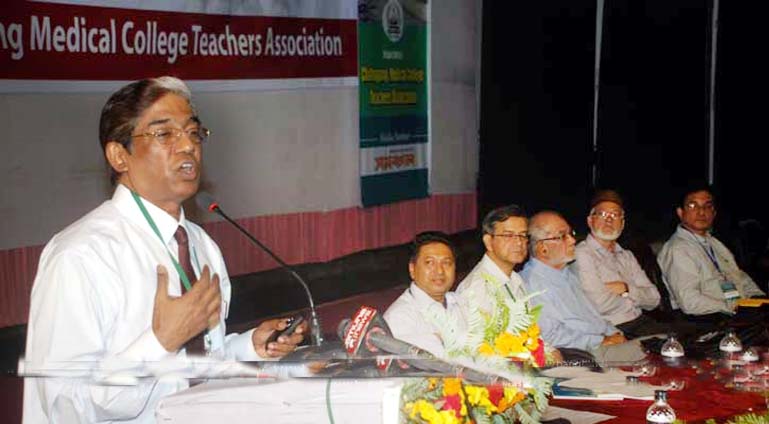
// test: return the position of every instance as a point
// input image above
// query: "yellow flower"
(485, 349)
(534, 331)
(432, 382)
(508, 344)
(532, 344)
(479, 396)
(426, 411)
(511, 397)
(446, 417)
(451, 386)
(475, 394)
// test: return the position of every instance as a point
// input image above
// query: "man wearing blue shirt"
(568, 319)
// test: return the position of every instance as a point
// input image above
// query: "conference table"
(352, 400)
(704, 395)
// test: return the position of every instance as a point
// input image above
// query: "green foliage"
(535, 311)
(750, 419)
(739, 419)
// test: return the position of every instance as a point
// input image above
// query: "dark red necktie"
(195, 345)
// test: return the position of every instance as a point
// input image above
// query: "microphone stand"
(315, 332)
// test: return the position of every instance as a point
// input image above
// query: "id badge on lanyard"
(727, 287)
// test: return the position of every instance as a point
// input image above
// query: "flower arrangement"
(524, 346)
(500, 329)
(451, 401)
(509, 325)
(500, 336)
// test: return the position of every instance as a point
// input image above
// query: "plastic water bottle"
(660, 412)
(730, 347)
(730, 343)
(672, 351)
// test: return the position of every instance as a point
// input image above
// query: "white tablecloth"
(287, 401)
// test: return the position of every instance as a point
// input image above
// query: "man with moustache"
(610, 276)
(568, 319)
(432, 269)
(700, 272)
(134, 282)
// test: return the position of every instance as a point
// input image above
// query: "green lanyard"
(182, 275)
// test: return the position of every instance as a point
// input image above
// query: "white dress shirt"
(597, 266)
(410, 319)
(692, 277)
(92, 302)
(476, 285)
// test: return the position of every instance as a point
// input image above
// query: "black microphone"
(206, 201)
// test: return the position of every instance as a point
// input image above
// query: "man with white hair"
(568, 319)
(610, 275)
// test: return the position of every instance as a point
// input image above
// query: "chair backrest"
(648, 261)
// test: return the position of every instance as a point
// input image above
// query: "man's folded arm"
(595, 289)
(643, 292)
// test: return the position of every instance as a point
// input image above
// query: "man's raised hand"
(175, 320)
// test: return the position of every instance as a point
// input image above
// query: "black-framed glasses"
(521, 237)
(605, 215)
(166, 136)
(561, 237)
(707, 207)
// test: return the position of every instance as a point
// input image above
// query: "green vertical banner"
(394, 138)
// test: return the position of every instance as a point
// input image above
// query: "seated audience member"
(506, 237)
(134, 281)
(432, 271)
(610, 275)
(568, 319)
(701, 273)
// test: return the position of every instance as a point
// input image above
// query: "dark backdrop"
(537, 102)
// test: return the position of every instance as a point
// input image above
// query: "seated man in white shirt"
(700, 272)
(133, 281)
(506, 237)
(432, 270)
(611, 276)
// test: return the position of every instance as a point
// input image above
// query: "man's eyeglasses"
(523, 238)
(166, 136)
(707, 207)
(605, 215)
(561, 237)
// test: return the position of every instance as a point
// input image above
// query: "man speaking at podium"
(133, 281)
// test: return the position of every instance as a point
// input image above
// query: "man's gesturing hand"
(175, 320)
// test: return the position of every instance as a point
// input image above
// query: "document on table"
(581, 383)
(574, 416)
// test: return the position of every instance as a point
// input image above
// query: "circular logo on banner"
(392, 20)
